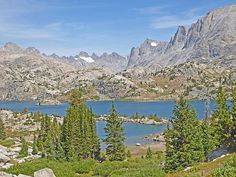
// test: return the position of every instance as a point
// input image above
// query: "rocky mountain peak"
(210, 38)
(179, 37)
(12, 47)
(55, 56)
(32, 50)
(84, 54)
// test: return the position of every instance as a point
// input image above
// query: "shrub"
(229, 170)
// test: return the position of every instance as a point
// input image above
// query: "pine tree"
(232, 140)
(70, 133)
(79, 136)
(35, 148)
(48, 141)
(210, 138)
(2, 130)
(114, 130)
(149, 153)
(184, 139)
(94, 137)
(221, 118)
(128, 154)
(24, 148)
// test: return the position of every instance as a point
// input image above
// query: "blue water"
(134, 132)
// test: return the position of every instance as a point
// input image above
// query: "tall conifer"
(221, 118)
(233, 119)
(2, 130)
(184, 142)
(79, 135)
(115, 137)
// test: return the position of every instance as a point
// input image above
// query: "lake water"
(134, 132)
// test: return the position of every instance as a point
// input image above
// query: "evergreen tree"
(129, 154)
(35, 148)
(115, 137)
(94, 137)
(24, 148)
(221, 120)
(232, 140)
(149, 153)
(2, 130)
(210, 138)
(79, 137)
(49, 138)
(184, 139)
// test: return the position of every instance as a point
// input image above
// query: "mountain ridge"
(211, 37)
(193, 58)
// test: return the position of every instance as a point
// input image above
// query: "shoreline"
(145, 120)
(52, 103)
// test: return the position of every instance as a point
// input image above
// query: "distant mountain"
(113, 61)
(210, 38)
(191, 63)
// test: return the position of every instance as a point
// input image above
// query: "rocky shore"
(144, 120)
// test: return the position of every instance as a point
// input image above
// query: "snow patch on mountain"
(87, 59)
(153, 44)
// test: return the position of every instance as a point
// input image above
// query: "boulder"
(3, 174)
(4, 158)
(217, 154)
(3, 150)
(20, 175)
(46, 172)
(6, 165)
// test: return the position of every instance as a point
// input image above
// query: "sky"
(66, 27)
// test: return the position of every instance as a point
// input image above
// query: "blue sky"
(67, 27)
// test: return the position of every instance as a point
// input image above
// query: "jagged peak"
(82, 53)
(10, 46)
(32, 50)
(54, 55)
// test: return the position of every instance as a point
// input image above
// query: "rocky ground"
(22, 124)
(46, 172)
(17, 125)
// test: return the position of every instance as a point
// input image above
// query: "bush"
(61, 169)
(229, 170)
(133, 167)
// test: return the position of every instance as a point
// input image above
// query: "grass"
(7, 142)
(18, 134)
(204, 169)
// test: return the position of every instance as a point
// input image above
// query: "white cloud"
(14, 25)
(149, 10)
(54, 31)
(170, 21)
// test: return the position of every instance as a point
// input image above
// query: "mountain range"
(207, 46)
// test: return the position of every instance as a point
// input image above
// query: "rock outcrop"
(46, 172)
